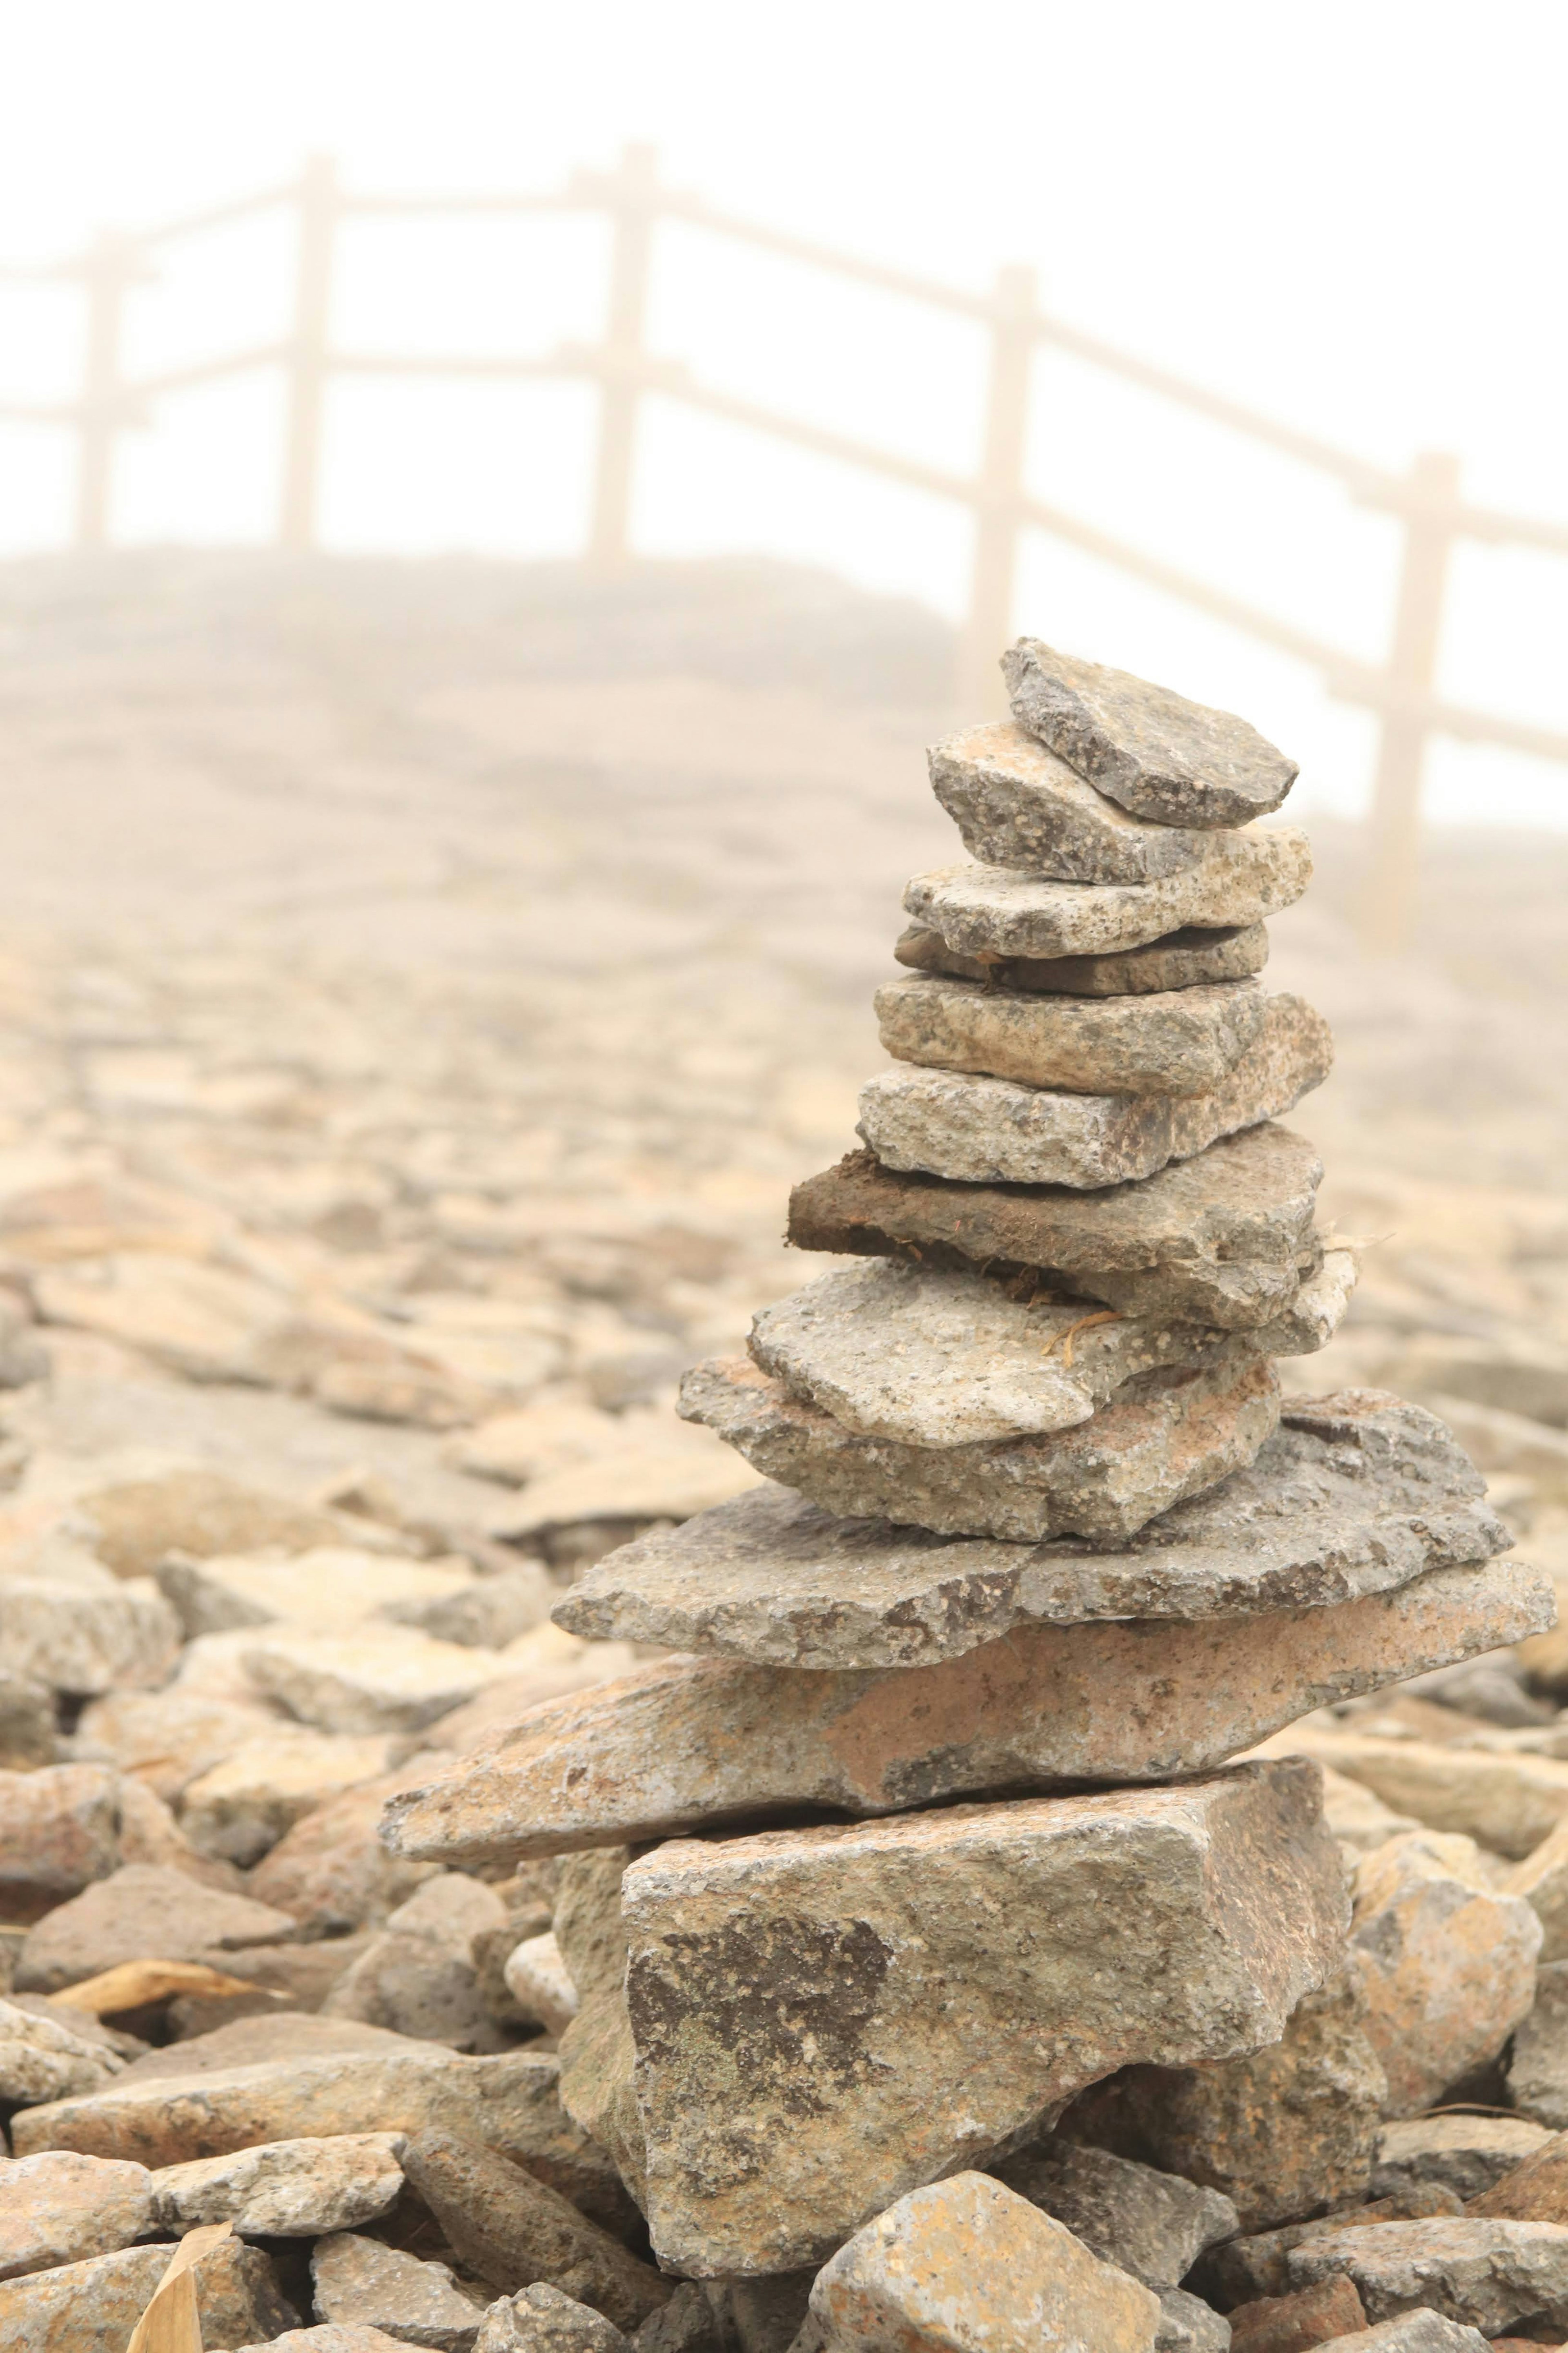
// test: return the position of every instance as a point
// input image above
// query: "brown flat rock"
(1181, 1042)
(1165, 1436)
(987, 1130)
(1180, 960)
(1356, 1493)
(692, 1743)
(1016, 804)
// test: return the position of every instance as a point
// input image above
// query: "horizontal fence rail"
(1425, 501)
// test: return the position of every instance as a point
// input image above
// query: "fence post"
(1388, 894)
(989, 626)
(319, 204)
(109, 269)
(634, 200)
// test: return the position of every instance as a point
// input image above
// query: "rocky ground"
(420, 987)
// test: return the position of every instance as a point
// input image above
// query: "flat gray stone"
(821, 2022)
(140, 1912)
(1483, 2274)
(1467, 2154)
(1016, 804)
(1316, 1312)
(1182, 960)
(933, 1359)
(1357, 1492)
(1152, 2225)
(359, 2279)
(282, 2189)
(993, 912)
(994, 1131)
(1221, 1238)
(1163, 1436)
(1175, 762)
(692, 1743)
(542, 2320)
(1183, 1042)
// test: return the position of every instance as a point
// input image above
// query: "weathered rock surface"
(1357, 1492)
(283, 2190)
(1508, 1802)
(1016, 804)
(86, 1635)
(993, 1131)
(511, 2230)
(59, 1829)
(848, 1960)
(1182, 959)
(1467, 2154)
(1280, 2130)
(1185, 1042)
(1448, 1964)
(537, 1977)
(135, 1523)
(965, 2266)
(1165, 1436)
(239, 1809)
(417, 1976)
(93, 2305)
(1416, 2331)
(1485, 2275)
(1219, 1239)
(597, 2056)
(1530, 2189)
(46, 2059)
(138, 1910)
(168, 1738)
(1149, 749)
(353, 2336)
(1543, 1880)
(1152, 2225)
(992, 912)
(28, 1730)
(61, 2208)
(359, 2279)
(331, 1871)
(334, 1584)
(1294, 2324)
(542, 2320)
(1256, 2265)
(1538, 2068)
(372, 1678)
(933, 1359)
(691, 1742)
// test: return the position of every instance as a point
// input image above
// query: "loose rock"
(284, 2190)
(1185, 1042)
(1183, 959)
(1538, 2068)
(139, 1910)
(44, 2059)
(61, 2208)
(92, 2307)
(59, 1829)
(360, 2280)
(1152, 2225)
(537, 1979)
(542, 2320)
(1294, 2324)
(1467, 2154)
(1016, 804)
(1485, 2275)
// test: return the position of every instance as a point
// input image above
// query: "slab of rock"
(284, 2190)
(1174, 762)
(1356, 1493)
(1417, 2331)
(138, 1910)
(93, 2305)
(1185, 1042)
(1448, 1965)
(1219, 1239)
(966, 2266)
(239, 1809)
(1165, 1436)
(1258, 2265)
(541, 2320)
(46, 2058)
(1294, 2324)
(1509, 1802)
(933, 1359)
(417, 1976)
(372, 1679)
(1152, 2225)
(511, 2230)
(135, 1523)
(81, 1638)
(991, 912)
(690, 1742)
(362, 2280)
(59, 1829)
(1533, 2188)
(846, 1960)
(334, 1584)
(1016, 804)
(1483, 2274)
(1278, 2131)
(61, 2208)
(1182, 959)
(167, 1738)
(488, 1612)
(1538, 2068)
(28, 1728)
(1467, 2154)
(985, 1131)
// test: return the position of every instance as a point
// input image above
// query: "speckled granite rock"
(1180, 960)
(1016, 804)
(1181, 1042)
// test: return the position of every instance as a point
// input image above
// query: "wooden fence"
(1427, 500)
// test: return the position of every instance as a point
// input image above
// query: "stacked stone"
(1042, 1541)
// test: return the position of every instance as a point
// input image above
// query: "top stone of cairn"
(1175, 762)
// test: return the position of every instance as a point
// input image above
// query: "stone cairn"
(930, 1826)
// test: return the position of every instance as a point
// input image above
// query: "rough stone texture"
(1182, 959)
(1219, 1239)
(168, 1738)
(993, 1131)
(374, 1679)
(240, 1808)
(965, 2267)
(1538, 2069)
(1543, 1880)
(1417, 2331)
(1508, 1803)
(511, 2230)
(135, 1523)
(542, 2320)
(1188, 2325)
(331, 1871)
(536, 1976)
(355, 2336)
(92, 2307)
(687, 2324)
(1183, 1924)
(992, 912)
(1151, 750)
(1280, 2131)
(417, 1975)
(359, 2279)
(1448, 1964)
(1469, 2154)
(1165, 1436)
(139, 1911)
(1356, 1493)
(597, 2056)
(1312, 1317)
(1152, 2225)
(1016, 804)
(45, 2059)
(688, 1742)
(61, 2208)
(487, 1612)
(1485, 2275)
(59, 1827)
(1294, 2324)
(88, 1635)
(1532, 2187)
(1185, 1042)
(26, 1723)
(284, 2190)
(333, 1584)
(1258, 2265)
(935, 1359)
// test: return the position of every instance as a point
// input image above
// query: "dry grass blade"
(172, 2322)
(133, 1983)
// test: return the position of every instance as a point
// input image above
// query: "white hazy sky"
(1352, 216)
